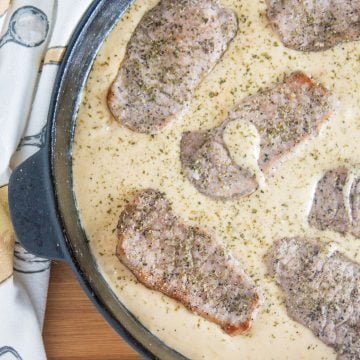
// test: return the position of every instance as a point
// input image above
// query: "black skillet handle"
(32, 207)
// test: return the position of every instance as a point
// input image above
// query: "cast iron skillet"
(41, 198)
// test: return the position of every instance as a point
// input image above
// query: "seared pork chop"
(185, 262)
(284, 116)
(314, 25)
(321, 288)
(337, 206)
(174, 46)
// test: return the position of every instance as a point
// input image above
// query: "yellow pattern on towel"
(7, 237)
(4, 5)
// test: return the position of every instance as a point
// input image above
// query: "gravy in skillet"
(111, 163)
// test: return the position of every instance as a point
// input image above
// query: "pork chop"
(208, 165)
(321, 289)
(337, 206)
(310, 25)
(284, 116)
(186, 263)
(174, 46)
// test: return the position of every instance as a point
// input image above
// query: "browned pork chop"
(314, 25)
(321, 288)
(173, 47)
(335, 206)
(185, 263)
(285, 116)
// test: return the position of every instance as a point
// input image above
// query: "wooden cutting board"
(73, 328)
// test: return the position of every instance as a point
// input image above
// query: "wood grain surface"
(73, 327)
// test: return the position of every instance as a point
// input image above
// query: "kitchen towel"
(33, 39)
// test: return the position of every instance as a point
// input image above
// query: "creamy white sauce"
(111, 162)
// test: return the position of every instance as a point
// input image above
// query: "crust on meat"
(249, 297)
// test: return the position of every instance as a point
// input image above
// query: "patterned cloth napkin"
(33, 38)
